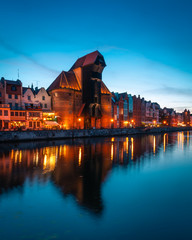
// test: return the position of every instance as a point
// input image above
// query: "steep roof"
(87, 60)
(25, 89)
(104, 89)
(65, 80)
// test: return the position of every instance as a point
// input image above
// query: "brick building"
(79, 97)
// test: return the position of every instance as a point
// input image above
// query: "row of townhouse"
(133, 111)
(79, 99)
(22, 107)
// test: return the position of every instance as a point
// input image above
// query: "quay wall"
(7, 136)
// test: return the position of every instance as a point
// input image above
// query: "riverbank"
(67, 134)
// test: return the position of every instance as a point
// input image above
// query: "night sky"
(147, 45)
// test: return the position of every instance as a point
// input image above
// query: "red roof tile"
(65, 80)
(104, 89)
(86, 60)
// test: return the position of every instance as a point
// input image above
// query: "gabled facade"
(79, 96)
(43, 98)
(11, 93)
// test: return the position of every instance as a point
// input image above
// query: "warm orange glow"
(154, 145)
(132, 148)
(164, 122)
(154, 121)
(164, 142)
(132, 120)
(112, 151)
(112, 120)
(125, 122)
(79, 119)
(80, 157)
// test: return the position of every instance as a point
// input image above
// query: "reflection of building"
(79, 96)
(79, 168)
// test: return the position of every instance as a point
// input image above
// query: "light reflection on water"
(100, 180)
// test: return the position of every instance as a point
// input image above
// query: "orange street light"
(79, 119)
(112, 120)
(132, 120)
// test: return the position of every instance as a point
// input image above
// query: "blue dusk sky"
(147, 44)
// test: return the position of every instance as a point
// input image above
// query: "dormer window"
(43, 97)
(29, 98)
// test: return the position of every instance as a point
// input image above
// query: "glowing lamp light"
(79, 119)
(112, 120)
(132, 120)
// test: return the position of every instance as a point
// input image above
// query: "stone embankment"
(7, 136)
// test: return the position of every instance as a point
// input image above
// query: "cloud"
(26, 56)
(166, 90)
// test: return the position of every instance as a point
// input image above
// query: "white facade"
(28, 98)
(43, 98)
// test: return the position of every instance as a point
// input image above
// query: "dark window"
(30, 124)
(5, 113)
(38, 124)
(0, 94)
(69, 94)
(0, 112)
(13, 88)
(20, 114)
(10, 105)
(43, 97)
(12, 113)
(9, 96)
(41, 105)
(29, 98)
(96, 75)
(16, 114)
(16, 96)
(16, 105)
(45, 106)
(23, 113)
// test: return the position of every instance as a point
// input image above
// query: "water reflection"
(79, 168)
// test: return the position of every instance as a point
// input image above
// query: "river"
(136, 187)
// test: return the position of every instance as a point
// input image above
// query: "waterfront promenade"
(8, 136)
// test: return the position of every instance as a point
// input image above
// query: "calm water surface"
(137, 187)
